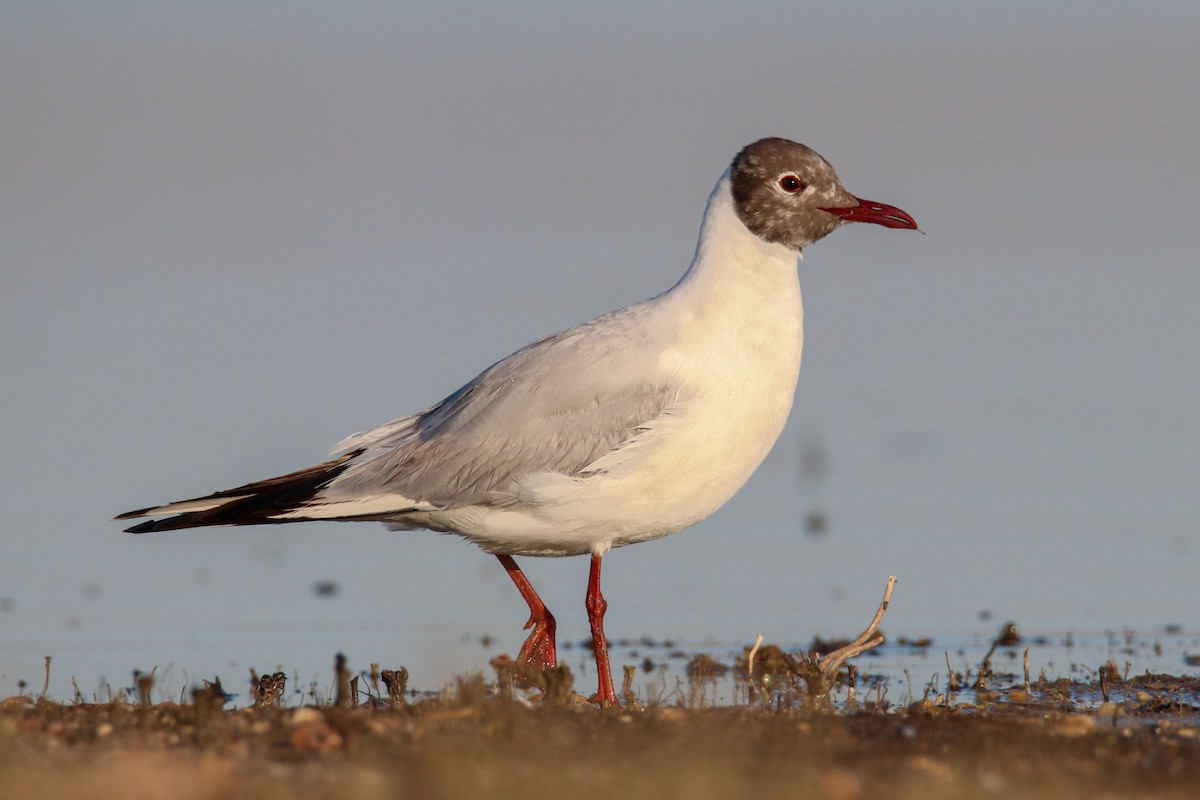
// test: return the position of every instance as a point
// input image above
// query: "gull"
(627, 428)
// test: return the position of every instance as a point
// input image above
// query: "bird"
(626, 428)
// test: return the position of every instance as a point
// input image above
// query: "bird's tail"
(259, 503)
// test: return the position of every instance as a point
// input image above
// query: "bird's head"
(785, 193)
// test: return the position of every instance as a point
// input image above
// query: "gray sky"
(229, 237)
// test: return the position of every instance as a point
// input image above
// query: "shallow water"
(901, 671)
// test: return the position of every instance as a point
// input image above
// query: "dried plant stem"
(627, 694)
(750, 657)
(865, 641)
(1028, 691)
(396, 683)
(820, 674)
(342, 698)
(851, 689)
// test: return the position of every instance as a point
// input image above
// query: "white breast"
(730, 335)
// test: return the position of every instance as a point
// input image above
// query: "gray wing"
(556, 405)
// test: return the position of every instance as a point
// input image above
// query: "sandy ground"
(473, 741)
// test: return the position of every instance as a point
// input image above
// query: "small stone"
(315, 737)
(1074, 726)
(305, 715)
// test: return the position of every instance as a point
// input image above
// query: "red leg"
(596, 606)
(538, 650)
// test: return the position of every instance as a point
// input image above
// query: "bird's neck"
(734, 270)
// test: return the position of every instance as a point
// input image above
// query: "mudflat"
(478, 738)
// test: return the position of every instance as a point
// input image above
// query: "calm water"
(898, 672)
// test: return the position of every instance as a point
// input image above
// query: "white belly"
(729, 337)
(737, 396)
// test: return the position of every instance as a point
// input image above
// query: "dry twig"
(504, 666)
(1028, 689)
(627, 694)
(750, 657)
(343, 697)
(820, 673)
(46, 685)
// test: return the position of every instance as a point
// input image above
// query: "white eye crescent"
(791, 184)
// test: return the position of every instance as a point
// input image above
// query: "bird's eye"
(791, 184)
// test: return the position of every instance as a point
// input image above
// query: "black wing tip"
(149, 526)
(177, 522)
(252, 504)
